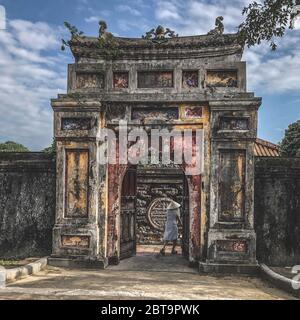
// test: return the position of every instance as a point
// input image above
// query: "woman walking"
(171, 227)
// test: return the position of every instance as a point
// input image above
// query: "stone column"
(79, 231)
(231, 235)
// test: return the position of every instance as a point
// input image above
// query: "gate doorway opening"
(145, 195)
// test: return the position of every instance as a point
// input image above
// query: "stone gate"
(155, 82)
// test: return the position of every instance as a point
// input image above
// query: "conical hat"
(173, 205)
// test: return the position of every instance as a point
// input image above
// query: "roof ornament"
(103, 34)
(159, 35)
(219, 29)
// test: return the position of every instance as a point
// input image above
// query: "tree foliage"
(11, 146)
(51, 149)
(267, 21)
(75, 34)
(290, 144)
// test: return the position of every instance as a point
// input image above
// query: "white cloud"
(297, 23)
(167, 10)
(135, 24)
(28, 79)
(98, 16)
(128, 9)
(198, 17)
(31, 74)
(269, 71)
(92, 19)
(278, 71)
(36, 36)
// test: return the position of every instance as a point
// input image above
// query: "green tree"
(11, 146)
(268, 20)
(290, 144)
(51, 149)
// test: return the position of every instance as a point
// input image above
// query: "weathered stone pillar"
(79, 231)
(231, 236)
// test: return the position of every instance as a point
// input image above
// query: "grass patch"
(9, 263)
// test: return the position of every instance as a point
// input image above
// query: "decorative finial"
(160, 34)
(219, 29)
(102, 28)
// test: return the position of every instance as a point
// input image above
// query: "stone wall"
(27, 207)
(277, 210)
(27, 204)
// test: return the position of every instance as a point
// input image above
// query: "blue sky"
(33, 69)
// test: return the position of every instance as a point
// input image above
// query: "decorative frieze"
(76, 123)
(238, 246)
(165, 114)
(190, 79)
(75, 241)
(191, 112)
(155, 79)
(121, 80)
(234, 123)
(222, 78)
(89, 80)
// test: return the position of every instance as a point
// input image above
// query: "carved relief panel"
(153, 195)
(76, 183)
(191, 112)
(76, 123)
(165, 114)
(189, 79)
(75, 241)
(155, 79)
(225, 78)
(238, 246)
(157, 213)
(89, 80)
(234, 123)
(121, 80)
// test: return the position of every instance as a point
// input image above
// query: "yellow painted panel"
(77, 183)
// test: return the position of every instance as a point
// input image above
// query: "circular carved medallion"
(157, 212)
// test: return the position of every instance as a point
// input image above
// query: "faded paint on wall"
(232, 185)
(77, 177)
(115, 175)
(194, 183)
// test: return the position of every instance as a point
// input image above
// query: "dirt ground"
(144, 276)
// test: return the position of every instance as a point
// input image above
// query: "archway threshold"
(148, 259)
